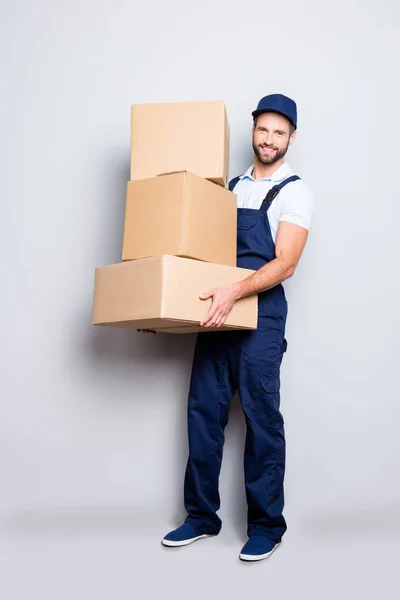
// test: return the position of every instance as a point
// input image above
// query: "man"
(274, 217)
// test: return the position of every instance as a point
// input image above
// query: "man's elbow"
(289, 269)
(290, 272)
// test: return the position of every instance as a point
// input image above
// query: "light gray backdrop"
(92, 430)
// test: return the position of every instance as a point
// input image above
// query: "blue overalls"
(248, 362)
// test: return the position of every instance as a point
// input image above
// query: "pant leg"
(210, 394)
(264, 457)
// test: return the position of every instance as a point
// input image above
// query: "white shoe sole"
(253, 557)
(185, 542)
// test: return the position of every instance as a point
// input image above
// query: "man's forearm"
(265, 278)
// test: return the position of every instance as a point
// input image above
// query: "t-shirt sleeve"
(298, 205)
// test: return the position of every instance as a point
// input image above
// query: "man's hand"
(223, 298)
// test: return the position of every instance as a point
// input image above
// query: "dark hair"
(292, 128)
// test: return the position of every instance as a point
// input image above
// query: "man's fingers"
(210, 315)
(215, 320)
(221, 321)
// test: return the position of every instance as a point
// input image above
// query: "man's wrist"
(238, 290)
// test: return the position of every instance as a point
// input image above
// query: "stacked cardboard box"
(180, 224)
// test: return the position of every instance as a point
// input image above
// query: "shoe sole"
(185, 542)
(253, 557)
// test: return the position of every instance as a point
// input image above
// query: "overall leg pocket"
(270, 401)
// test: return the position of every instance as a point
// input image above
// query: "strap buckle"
(271, 195)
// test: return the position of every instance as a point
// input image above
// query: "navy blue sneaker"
(183, 535)
(257, 547)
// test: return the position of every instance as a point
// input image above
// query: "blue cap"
(280, 104)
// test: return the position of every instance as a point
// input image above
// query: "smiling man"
(275, 209)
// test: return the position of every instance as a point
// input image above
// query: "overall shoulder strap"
(233, 182)
(274, 191)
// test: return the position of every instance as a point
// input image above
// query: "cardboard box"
(179, 136)
(162, 293)
(180, 214)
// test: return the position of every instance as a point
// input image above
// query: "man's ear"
(293, 137)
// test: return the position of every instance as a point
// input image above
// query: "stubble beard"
(269, 160)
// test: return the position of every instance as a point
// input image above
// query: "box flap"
(171, 173)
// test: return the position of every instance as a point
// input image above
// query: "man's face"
(271, 137)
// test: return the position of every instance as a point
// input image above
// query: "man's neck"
(260, 170)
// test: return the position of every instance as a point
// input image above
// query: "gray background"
(92, 429)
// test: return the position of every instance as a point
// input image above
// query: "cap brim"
(255, 114)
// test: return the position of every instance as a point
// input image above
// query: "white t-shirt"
(294, 203)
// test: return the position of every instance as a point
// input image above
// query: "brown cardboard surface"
(180, 214)
(178, 136)
(162, 293)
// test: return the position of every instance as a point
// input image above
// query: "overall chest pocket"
(247, 221)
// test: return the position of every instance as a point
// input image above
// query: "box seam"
(184, 199)
(162, 302)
